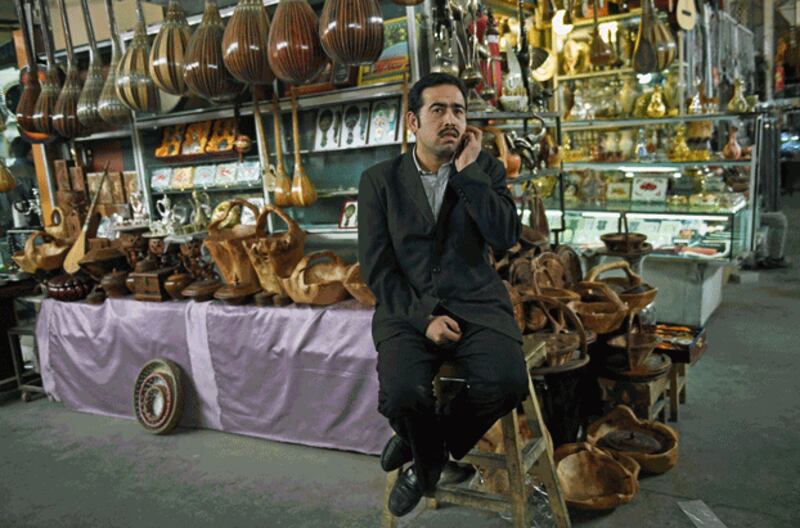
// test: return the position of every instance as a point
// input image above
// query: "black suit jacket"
(414, 265)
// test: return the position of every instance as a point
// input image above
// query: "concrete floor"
(739, 435)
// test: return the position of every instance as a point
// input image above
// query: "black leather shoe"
(405, 494)
(455, 473)
(395, 453)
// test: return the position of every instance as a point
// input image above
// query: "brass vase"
(109, 105)
(167, 55)
(135, 87)
(205, 73)
(351, 31)
(245, 43)
(93, 85)
(295, 52)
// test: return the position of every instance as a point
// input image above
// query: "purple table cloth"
(297, 374)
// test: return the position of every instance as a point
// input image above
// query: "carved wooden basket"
(46, 257)
(275, 255)
(227, 246)
(321, 283)
(356, 286)
(602, 316)
(631, 289)
(659, 458)
(593, 479)
(158, 396)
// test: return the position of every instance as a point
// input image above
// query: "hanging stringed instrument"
(283, 185)
(135, 87)
(29, 80)
(167, 56)
(245, 43)
(267, 169)
(351, 31)
(109, 106)
(65, 111)
(81, 244)
(93, 84)
(205, 73)
(682, 14)
(303, 191)
(52, 83)
(295, 51)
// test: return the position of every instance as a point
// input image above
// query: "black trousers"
(491, 363)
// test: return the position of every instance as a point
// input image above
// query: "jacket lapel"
(410, 179)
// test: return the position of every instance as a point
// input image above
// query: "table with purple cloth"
(297, 374)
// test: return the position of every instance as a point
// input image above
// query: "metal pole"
(769, 47)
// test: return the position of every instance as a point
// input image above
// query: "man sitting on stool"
(426, 220)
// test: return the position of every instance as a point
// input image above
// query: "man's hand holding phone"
(470, 147)
(442, 329)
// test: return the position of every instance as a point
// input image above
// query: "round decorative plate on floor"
(158, 396)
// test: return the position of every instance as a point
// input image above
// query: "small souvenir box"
(383, 122)
(183, 178)
(226, 174)
(649, 189)
(249, 173)
(222, 136)
(328, 128)
(93, 179)
(618, 191)
(161, 178)
(355, 125)
(205, 175)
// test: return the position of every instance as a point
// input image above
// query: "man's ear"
(412, 122)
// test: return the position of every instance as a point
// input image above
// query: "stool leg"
(15, 348)
(545, 467)
(514, 464)
(673, 393)
(387, 519)
(685, 374)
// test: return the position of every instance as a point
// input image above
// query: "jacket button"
(437, 269)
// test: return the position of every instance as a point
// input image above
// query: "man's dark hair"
(432, 79)
(20, 148)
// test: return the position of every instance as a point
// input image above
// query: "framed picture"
(329, 125)
(393, 61)
(383, 122)
(356, 123)
(649, 189)
(348, 219)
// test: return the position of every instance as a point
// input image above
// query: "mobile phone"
(461, 146)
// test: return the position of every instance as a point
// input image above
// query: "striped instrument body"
(295, 52)
(135, 88)
(351, 31)
(169, 50)
(52, 83)
(246, 41)
(205, 72)
(93, 85)
(65, 111)
(29, 79)
(109, 105)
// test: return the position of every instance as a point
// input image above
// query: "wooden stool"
(647, 398)
(678, 380)
(27, 382)
(518, 460)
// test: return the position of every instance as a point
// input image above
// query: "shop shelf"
(645, 166)
(548, 117)
(640, 122)
(643, 210)
(528, 177)
(231, 188)
(108, 134)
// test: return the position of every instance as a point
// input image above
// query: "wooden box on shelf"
(77, 179)
(61, 169)
(149, 285)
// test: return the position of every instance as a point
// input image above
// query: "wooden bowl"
(593, 479)
(601, 317)
(622, 418)
(623, 242)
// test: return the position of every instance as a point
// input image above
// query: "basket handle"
(261, 222)
(298, 274)
(633, 278)
(564, 310)
(30, 244)
(227, 207)
(584, 287)
(57, 212)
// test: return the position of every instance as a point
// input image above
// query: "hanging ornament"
(245, 43)
(169, 50)
(351, 31)
(205, 72)
(295, 52)
(93, 85)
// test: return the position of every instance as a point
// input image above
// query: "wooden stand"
(678, 379)
(647, 398)
(518, 460)
(149, 285)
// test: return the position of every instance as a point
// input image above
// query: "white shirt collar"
(423, 171)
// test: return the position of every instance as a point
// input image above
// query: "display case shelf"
(584, 22)
(548, 117)
(595, 74)
(639, 122)
(231, 188)
(105, 135)
(305, 102)
(644, 210)
(645, 166)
